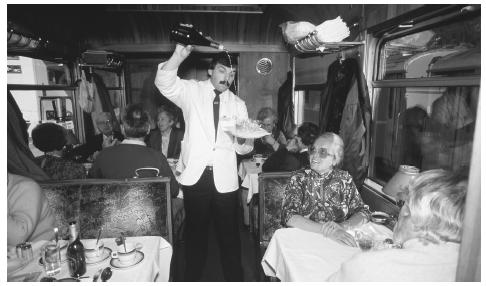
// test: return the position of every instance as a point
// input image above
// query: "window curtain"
(20, 159)
(345, 110)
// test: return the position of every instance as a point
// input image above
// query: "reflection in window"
(448, 50)
(429, 127)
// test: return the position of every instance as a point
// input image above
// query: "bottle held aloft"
(186, 34)
(75, 253)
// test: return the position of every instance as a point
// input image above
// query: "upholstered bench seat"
(132, 207)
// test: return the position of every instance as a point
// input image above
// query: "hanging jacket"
(346, 110)
(285, 106)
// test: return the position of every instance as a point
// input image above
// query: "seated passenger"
(122, 160)
(166, 138)
(51, 139)
(429, 229)
(270, 143)
(324, 199)
(296, 155)
(106, 138)
(29, 217)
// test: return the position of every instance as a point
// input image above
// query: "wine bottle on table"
(75, 253)
(186, 34)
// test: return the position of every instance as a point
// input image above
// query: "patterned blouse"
(332, 197)
(61, 169)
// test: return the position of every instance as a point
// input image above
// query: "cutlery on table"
(97, 275)
(99, 235)
(106, 274)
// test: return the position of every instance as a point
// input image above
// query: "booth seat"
(129, 207)
(271, 187)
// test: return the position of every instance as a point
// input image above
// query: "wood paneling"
(261, 90)
(312, 70)
(376, 13)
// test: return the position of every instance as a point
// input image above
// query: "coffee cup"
(93, 250)
(258, 158)
(126, 253)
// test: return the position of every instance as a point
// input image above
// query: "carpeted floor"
(213, 271)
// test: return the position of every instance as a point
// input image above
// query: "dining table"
(152, 265)
(296, 255)
(248, 171)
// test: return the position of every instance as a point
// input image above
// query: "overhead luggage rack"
(310, 44)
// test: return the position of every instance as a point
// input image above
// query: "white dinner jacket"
(199, 148)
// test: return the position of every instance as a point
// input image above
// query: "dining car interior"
(243, 142)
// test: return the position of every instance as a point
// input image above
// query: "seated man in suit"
(166, 138)
(106, 138)
(123, 160)
(295, 155)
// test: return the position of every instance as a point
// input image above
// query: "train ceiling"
(71, 29)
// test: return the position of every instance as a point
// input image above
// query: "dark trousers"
(202, 202)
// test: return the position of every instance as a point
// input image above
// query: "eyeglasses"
(104, 122)
(322, 152)
(269, 125)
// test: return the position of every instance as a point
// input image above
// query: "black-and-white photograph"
(243, 142)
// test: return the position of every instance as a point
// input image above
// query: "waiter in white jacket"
(208, 160)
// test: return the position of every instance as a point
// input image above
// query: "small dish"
(139, 256)
(380, 217)
(106, 254)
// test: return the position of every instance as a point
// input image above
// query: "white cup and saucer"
(95, 251)
(259, 159)
(127, 255)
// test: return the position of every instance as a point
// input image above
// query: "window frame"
(377, 71)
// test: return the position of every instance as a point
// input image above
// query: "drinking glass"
(51, 257)
(364, 241)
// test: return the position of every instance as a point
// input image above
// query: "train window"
(307, 106)
(425, 100)
(42, 92)
(448, 50)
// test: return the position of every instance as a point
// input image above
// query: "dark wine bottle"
(75, 253)
(186, 34)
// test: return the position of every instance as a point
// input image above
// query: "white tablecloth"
(248, 172)
(154, 267)
(295, 255)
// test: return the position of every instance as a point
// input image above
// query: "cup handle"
(114, 255)
(138, 246)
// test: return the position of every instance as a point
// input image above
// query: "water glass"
(24, 251)
(51, 257)
(365, 242)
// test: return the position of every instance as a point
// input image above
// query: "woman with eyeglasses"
(324, 198)
(270, 143)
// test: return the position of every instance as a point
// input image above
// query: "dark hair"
(48, 137)
(136, 121)
(308, 132)
(171, 113)
(223, 59)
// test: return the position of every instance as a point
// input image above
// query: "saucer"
(115, 262)
(106, 254)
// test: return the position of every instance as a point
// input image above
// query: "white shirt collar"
(133, 141)
(167, 134)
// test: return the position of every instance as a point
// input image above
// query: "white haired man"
(429, 229)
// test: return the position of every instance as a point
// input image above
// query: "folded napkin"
(332, 31)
